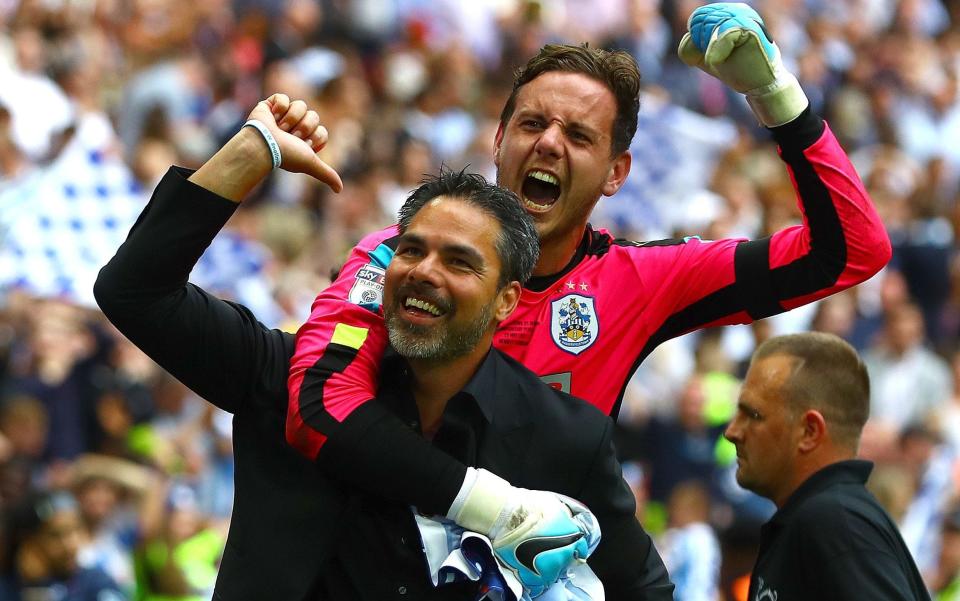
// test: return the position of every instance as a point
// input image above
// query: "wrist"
(479, 504)
(268, 138)
(237, 168)
(780, 102)
(251, 151)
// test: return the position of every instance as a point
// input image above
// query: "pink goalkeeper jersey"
(587, 329)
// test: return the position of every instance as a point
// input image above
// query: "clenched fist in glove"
(728, 40)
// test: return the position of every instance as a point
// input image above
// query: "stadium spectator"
(24, 428)
(691, 549)
(932, 465)
(945, 583)
(801, 410)
(947, 417)
(177, 558)
(56, 372)
(911, 381)
(46, 532)
(678, 448)
(894, 487)
(111, 496)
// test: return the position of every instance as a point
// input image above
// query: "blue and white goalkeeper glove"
(536, 534)
(728, 40)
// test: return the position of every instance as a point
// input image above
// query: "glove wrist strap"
(457, 506)
(778, 103)
(480, 502)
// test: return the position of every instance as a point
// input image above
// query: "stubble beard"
(749, 482)
(438, 342)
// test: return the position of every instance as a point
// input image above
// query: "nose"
(732, 433)
(427, 270)
(550, 142)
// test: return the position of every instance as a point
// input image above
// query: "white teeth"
(544, 177)
(423, 306)
(535, 206)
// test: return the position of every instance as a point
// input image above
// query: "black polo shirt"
(379, 555)
(833, 541)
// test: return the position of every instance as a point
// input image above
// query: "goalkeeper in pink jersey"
(595, 306)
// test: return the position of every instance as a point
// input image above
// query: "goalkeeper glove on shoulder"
(729, 41)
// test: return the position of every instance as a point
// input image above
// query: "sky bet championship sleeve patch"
(367, 290)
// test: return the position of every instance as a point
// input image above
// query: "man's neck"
(434, 383)
(557, 254)
(808, 466)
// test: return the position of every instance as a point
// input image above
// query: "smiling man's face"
(441, 292)
(555, 151)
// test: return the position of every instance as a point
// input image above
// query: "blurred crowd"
(115, 478)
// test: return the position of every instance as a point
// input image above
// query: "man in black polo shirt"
(801, 411)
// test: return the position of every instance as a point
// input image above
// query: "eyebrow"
(452, 248)
(570, 126)
(576, 126)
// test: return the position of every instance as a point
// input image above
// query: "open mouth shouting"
(540, 190)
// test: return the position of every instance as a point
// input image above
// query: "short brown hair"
(827, 376)
(616, 69)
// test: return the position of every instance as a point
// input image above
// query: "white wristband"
(269, 139)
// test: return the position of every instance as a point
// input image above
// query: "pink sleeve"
(335, 365)
(841, 242)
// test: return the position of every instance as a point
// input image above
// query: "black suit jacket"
(285, 516)
(508, 421)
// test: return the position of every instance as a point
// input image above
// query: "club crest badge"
(367, 290)
(573, 323)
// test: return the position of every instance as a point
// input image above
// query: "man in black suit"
(464, 248)
(297, 534)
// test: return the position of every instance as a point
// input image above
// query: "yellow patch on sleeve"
(351, 336)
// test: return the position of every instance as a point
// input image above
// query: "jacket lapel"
(506, 440)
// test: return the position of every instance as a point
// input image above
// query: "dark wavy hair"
(517, 245)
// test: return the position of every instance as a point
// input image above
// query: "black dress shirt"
(380, 553)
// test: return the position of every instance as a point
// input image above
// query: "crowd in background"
(112, 472)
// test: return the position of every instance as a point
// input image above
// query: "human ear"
(814, 430)
(497, 141)
(507, 300)
(617, 174)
